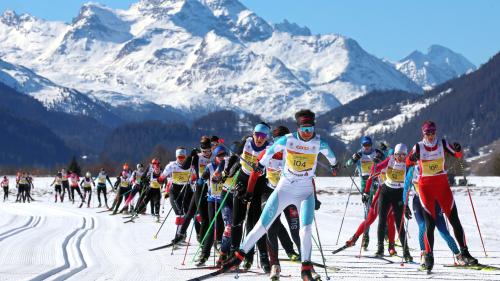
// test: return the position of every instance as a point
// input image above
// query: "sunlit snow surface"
(59, 241)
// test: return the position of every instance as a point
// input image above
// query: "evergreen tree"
(74, 166)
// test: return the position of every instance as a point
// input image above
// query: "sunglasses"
(399, 154)
(206, 151)
(429, 133)
(260, 135)
(307, 129)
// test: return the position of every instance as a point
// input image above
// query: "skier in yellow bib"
(300, 149)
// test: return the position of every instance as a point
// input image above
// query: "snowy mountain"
(52, 96)
(437, 66)
(196, 56)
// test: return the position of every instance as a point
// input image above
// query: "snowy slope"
(60, 241)
(438, 65)
(197, 56)
(52, 96)
(383, 119)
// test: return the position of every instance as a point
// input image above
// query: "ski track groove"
(32, 223)
(66, 250)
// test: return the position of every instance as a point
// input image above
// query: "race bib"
(383, 177)
(124, 183)
(201, 169)
(155, 184)
(216, 189)
(395, 175)
(249, 158)
(432, 167)
(180, 177)
(366, 167)
(228, 182)
(273, 176)
(300, 162)
(102, 180)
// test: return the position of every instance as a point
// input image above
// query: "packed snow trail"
(44, 240)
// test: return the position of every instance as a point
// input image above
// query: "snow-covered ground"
(44, 240)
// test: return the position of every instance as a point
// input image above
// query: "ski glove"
(408, 214)
(457, 147)
(247, 197)
(194, 152)
(356, 156)
(365, 197)
(258, 168)
(317, 204)
(334, 169)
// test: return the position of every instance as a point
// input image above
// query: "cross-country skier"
(391, 196)
(277, 229)
(73, 182)
(57, 183)
(5, 186)
(87, 183)
(123, 181)
(101, 179)
(433, 187)
(300, 153)
(179, 171)
(412, 180)
(65, 185)
(364, 159)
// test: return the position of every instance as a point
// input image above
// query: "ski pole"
(171, 208)
(343, 217)
(473, 209)
(321, 248)
(405, 244)
(191, 233)
(216, 214)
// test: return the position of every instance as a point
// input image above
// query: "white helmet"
(88, 175)
(400, 149)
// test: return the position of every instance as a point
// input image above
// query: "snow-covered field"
(44, 240)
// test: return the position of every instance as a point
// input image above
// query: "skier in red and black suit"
(434, 187)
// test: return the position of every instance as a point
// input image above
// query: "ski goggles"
(400, 155)
(430, 133)
(307, 129)
(260, 135)
(206, 151)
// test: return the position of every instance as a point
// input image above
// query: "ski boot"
(264, 263)
(366, 241)
(306, 272)
(464, 257)
(351, 242)
(202, 260)
(178, 238)
(221, 260)
(392, 250)
(99, 205)
(428, 262)
(380, 251)
(248, 261)
(234, 261)
(407, 256)
(275, 273)
(293, 256)
(81, 204)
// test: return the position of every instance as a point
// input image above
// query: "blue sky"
(386, 28)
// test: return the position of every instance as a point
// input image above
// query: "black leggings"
(217, 228)
(123, 192)
(101, 188)
(197, 205)
(155, 197)
(391, 197)
(87, 190)
(65, 185)
(5, 192)
(180, 197)
(458, 230)
(77, 188)
(239, 212)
